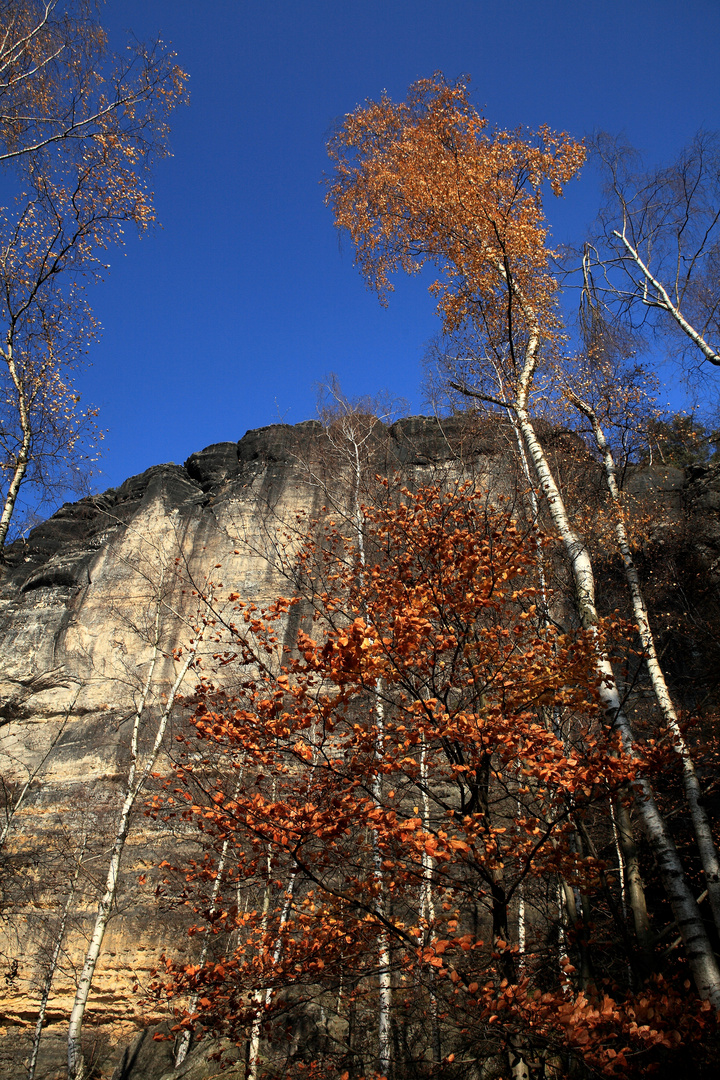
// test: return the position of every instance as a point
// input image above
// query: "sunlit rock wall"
(97, 592)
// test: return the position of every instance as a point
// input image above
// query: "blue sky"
(227, 317)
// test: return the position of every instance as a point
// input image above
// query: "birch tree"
(591, 392)
(139, 769)
(59, 936)
(345, 471)
(655, 260)
(349, 429)
(425, 181)
(79, 129)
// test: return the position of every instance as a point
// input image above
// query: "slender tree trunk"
(535, 509)
(622, 873)
(693, 792)
(662, 300)
(575, 925)
(384, 964)
(262, 999)
(427, 903)
(620, 859)
(521, 924)
(563, 958)
(52, 967)
(136, 780)
(518, 1066)
(632, 878)
(698, 950)
(384, 968)
(700, 956)
(183, 1045)
(256, 1029)
(619, 915)
(500, 930)
(22, 459)
(521, 930)
(582, 929)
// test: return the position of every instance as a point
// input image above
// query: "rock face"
(92, 603)
(91, 608)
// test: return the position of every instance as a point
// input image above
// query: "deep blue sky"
(228, 317)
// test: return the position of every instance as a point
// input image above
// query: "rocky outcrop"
(85, 604)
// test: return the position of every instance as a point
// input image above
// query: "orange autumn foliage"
(427, 181)
(424, 182)
(429, 739)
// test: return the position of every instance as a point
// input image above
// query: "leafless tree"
(654, 261)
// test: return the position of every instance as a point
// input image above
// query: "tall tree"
(79, 128)
(425, 181)
(590, 396)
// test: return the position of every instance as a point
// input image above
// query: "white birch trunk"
(384, 968)
(663, 301)
(183, 1045)
(693, 793)
(623, 885)
(521, 930)
(427, 904)
(562, 947)
(136, 779)
(698, 950)
(700, 956)
(634, 882)
(518, 1065)
(23, 457)
(262, 998)
(52, 967)
(621, 863)
(254, 1045)
(521, 925)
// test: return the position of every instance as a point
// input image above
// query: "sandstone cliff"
(82, 605)
(88, 600)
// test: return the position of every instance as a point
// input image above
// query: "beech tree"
(482, 796)
(79, 128)
(426, 182)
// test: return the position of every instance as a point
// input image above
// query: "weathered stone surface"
(702, 500)
(78, 608)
